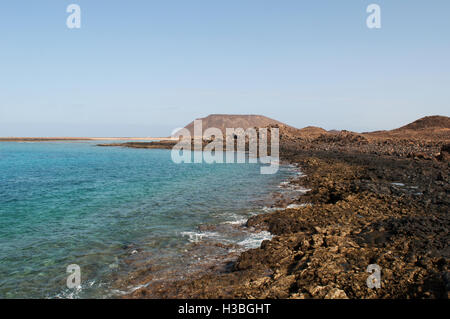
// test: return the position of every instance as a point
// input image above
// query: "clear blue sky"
(144, 68)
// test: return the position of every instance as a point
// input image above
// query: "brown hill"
(224, 121)
(433, 128)
(312, 131)
(428, 122)
(427, 128)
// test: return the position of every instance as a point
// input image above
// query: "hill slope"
(427, 128)
(224, 121)
(427, 122)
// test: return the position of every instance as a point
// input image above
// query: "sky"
(145, 68)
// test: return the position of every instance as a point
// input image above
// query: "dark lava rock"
(357, 218)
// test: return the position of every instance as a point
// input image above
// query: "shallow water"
(65, 203)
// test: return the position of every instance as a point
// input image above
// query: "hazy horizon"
(144, 69)
(158, 136)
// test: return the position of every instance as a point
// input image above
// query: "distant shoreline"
(58, 139)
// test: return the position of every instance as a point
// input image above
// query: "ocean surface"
(114, 210)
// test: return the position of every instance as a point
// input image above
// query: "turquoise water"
(76, 203)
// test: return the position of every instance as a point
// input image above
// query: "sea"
(115, 212)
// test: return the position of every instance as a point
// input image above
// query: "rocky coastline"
(371, 200)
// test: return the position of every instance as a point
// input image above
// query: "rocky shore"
(373, 200)
(150, 145)
(364, 209)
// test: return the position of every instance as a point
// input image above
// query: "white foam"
(237, 222)
(74, 293)
(302, 190)
(296, 206)
(255, 239)
(398, 184)
(130, 290)
(271, 209)
(195, 237)
(293, 187)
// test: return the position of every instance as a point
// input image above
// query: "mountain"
(428, 122)
(224, 121)
(312, 131)
(427, 128)
(434, 127)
